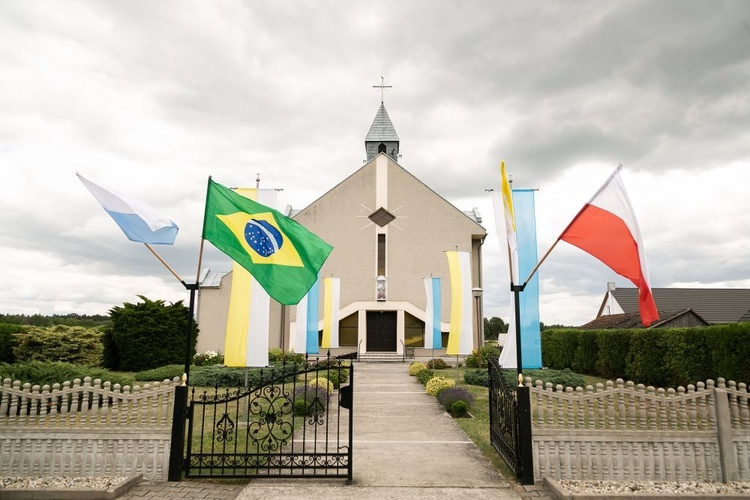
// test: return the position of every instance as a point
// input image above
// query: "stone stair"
(381, 357)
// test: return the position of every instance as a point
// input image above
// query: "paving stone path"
(405, 446)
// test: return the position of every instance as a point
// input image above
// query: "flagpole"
(165, 263)
(540, 261)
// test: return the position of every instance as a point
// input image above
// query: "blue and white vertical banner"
(433, 338)
(305, 338)
(525, 218)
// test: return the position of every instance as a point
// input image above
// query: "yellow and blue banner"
(433, 338)
(460, 335)
(248, 320)
(331, 304)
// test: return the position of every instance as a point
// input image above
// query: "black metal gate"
(291, 426)
(510, 422)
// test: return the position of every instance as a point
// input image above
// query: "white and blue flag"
(139, 221)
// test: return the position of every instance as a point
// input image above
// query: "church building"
(389, 231)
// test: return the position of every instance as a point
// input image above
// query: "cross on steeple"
(382, 87)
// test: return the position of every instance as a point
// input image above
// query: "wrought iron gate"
(510, 423)
(292, 426)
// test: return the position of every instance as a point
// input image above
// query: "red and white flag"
(607, 229)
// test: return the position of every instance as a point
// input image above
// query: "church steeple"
(382, 137)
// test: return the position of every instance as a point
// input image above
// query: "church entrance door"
(381, 331)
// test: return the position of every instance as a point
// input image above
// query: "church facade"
(389, 231)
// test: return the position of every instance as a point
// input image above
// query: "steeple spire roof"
(381, 129)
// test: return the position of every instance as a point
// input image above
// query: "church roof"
(381, 129)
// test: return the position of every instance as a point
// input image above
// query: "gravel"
(62, 483)
(656, 487)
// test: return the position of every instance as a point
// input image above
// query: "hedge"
(664, 357)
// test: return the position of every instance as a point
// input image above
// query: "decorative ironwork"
(291, 426)
(224, 429)
(510, 423)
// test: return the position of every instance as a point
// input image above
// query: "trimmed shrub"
(424, 376)
(729, 346)
(43, 372)
(161, 373)
(559, 348)
(437, 364)
(276, 355)
(646, 357)
(65, 344)
(688, 358)
(477, 377)
(437, 384)
(148, 335)
(566, 378)
(224, 376)
(459, 409)
(587, 353)
(416, 367)
(612, 349)
(310, 400)
(321, 382)
(447, 397)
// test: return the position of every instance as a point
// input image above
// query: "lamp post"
(477, 293)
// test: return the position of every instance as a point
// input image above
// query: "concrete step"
(381, 357)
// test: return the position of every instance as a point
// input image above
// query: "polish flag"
(606, 228)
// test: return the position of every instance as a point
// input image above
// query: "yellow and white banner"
(246, 341)
(460, 336)
(331, 303)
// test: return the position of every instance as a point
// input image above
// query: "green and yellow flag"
(282, 256)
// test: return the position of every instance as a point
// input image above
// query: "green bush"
(42, 372)
(224, 376)
(477, 377)
(416, 367)
(437, 384)
(478, 359)
(437, 364)
(9, 341)
(66, 344)
(277, 355)
(612, 349)
(584, 360)
(459, 409)
(566, 378)
(424, 376)
(688, 358)
(646, 357)
(162, 373)
(148, 335)
(729, 346)
(447, 397)
(208, 358)
(559, 347)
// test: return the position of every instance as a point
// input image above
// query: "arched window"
(381, 148)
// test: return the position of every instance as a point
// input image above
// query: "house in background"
(677, 306)
(667, 319)
(389, 231)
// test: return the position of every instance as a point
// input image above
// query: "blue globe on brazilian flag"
(282, 256)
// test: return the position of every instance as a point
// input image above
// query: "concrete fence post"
(727, 454)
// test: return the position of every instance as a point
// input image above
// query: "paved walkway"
(405, 446)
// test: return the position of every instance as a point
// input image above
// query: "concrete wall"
(629, 432)
(120, 432)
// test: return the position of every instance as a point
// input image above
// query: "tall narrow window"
(381, 255)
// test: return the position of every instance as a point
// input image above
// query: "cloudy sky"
(152, 97)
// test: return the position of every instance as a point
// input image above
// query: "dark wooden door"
(381, 331)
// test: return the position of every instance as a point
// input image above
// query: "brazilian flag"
(282, 256)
